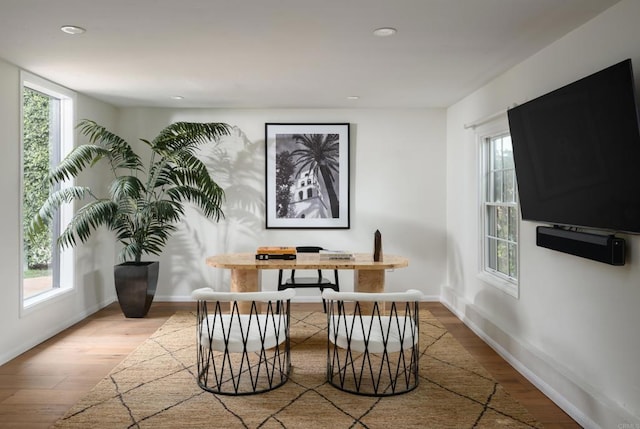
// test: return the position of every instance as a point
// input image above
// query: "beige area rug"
(155, 387)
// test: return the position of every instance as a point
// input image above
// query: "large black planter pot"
(136, 286)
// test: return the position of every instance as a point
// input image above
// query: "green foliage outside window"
(36, 160)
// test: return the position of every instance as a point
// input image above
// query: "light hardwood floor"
(39, 386)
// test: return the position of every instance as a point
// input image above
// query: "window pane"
(491, 221)
(496, 144)
(503, 257)
(47, 133)
(502, 215)
(497, 186)
(492, 252)
(38, 153)
(507, 152)
(513, 224)
(509, 186)
(513, 260)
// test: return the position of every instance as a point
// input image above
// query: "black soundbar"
(602, 248)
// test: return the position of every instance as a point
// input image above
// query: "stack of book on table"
(265, 253)
(336, 255)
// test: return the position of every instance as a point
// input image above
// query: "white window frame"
(507, 284)
(67, 136)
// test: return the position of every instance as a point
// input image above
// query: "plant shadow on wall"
(242, 173)
(144, 202)
(236, 164)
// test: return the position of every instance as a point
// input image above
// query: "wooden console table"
(245, 269)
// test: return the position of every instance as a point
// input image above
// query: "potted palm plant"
(144, 201)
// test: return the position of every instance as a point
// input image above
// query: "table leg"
(369, 281)
(245, 281)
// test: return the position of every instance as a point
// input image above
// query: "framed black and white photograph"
(307, 175)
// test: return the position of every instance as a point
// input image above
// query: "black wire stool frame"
(373, 353)
(243, 354)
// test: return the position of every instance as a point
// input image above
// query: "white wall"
(397, 176)
(573, 329)
(94, 286)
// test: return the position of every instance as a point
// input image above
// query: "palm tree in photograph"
(284, 173)
(320, 154)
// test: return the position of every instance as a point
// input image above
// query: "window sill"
(506, 286)
(30, 304)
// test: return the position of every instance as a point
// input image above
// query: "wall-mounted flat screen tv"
(577, 153)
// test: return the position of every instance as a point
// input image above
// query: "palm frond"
(166, 211)
(160, 174)
(185, 159)
(121, 155)
(152, 241)
(196, 174)
(130, 251)
(210, 204)
(319, 150)
(123, 227)
(76, 161)
(126, 187)
(193, 183)
(86, 220)
(53, 203)
(181, 135)
(157, 237)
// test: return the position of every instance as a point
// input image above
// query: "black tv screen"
(577, 153)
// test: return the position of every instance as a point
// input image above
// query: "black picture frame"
(315, 193)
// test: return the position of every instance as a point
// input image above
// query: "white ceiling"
(282, 53)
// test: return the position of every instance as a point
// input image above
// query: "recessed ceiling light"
(385, 32)
(177, 97)
(353, 97)
(72, 29)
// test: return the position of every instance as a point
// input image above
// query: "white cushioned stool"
(374, 352)
(240, 354)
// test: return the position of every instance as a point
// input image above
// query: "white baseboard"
(553, 379)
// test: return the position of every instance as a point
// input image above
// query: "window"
(500, 214)
(47, 135)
